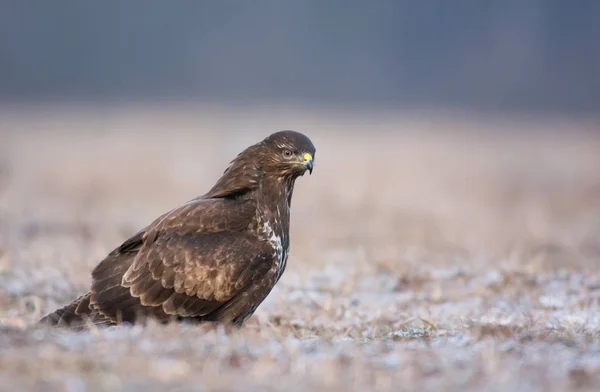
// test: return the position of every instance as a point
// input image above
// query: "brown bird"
(215, 258)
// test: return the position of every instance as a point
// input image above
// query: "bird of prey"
(215, 258)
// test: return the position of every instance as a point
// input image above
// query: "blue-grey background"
(511, 55)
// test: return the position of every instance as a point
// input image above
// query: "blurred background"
(535, 56)
(452, 220)
(457, 116)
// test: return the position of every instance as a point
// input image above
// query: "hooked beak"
(308, 162)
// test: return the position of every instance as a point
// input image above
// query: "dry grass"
(427, 254)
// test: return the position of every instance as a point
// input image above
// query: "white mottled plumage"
(276, 242)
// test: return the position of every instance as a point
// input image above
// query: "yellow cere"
(307, 157)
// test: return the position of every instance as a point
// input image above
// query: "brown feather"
(155, 295)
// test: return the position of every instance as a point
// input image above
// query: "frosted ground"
(429, 252)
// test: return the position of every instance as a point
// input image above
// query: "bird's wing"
(197, 261)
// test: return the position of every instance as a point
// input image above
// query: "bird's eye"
(287, 153)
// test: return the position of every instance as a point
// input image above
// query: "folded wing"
(199, 261)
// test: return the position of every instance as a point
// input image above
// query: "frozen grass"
(428, 253)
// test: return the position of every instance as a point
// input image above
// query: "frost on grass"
(443, 262)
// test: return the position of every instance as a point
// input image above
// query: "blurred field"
(429, 251)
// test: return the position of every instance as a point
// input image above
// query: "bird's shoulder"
(208, 216)
(197, 218)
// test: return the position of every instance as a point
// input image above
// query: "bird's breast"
(273, 233)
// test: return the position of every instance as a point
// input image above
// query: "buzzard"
(215, 258)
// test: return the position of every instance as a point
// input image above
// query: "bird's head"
(284, 155)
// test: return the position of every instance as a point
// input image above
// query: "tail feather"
(77, 315)
(108, 302)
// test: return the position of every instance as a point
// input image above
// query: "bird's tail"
(77, 315)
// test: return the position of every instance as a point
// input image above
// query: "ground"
(429, 251)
